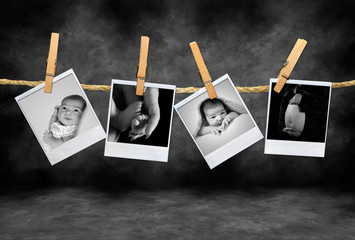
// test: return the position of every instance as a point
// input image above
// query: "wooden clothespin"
(142, 67)
(290, 64)
(204, 74)
(51, 63)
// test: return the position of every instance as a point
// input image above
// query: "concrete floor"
(86, 213)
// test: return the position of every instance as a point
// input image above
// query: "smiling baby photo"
(63, 121)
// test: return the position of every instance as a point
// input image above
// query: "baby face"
(294, 118)
(215, 113)
(70, 112)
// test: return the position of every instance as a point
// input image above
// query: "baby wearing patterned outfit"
(64, 122)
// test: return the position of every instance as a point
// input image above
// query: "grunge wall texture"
(248, 39)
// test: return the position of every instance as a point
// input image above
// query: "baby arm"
(228, 119)
(50, 140)
(215, 130)
(54, 117)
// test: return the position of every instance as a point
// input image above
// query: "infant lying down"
(64, 122)
(216, 116)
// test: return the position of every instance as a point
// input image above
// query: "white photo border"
(296, 148)
(77, 144)
(233, 147)
(138, 151)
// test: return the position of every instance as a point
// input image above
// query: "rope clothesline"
(106, 88)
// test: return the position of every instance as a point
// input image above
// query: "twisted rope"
(106, 88)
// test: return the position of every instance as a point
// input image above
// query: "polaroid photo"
(297, 118)
(221, 127)
(139, 127)
(63, 121)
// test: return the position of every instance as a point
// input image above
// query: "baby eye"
(64, 108)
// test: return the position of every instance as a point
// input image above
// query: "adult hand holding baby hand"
(122, 121)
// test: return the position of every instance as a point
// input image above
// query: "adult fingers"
(286, 129)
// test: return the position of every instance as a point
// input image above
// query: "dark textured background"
(249, 40)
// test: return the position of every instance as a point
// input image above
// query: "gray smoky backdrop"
(248, 39)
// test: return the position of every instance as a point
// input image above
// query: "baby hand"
(228, 119)
(46, 136)
(226, 122)
(126, 116)
(138, 127)
(216, 130)
(54, 117)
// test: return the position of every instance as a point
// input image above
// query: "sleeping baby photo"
(64, 122)
(221, 127)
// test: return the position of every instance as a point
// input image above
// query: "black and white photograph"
(221, 127)
(298, 118)
(63, 121)
(139, 126)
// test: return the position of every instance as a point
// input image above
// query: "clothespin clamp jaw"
(209, 87)
(51, 63)
(142, 66)
(290, 63)
(141, 80)
(285, 64)
(203, 72)
(283, 77)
